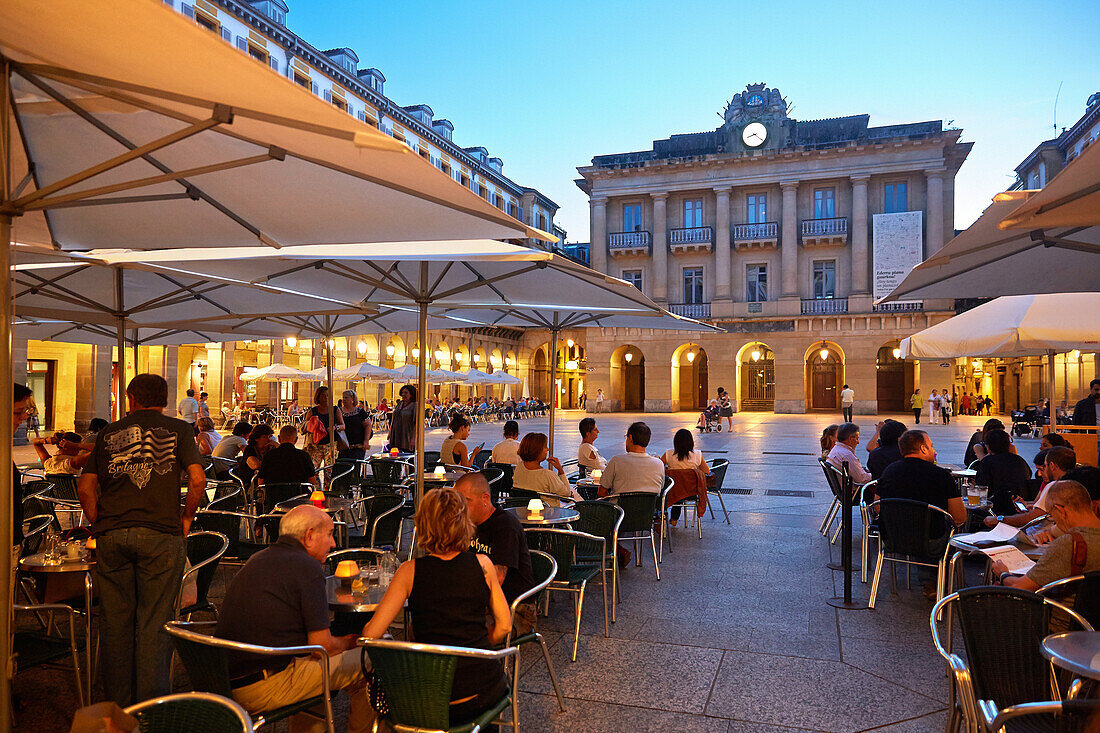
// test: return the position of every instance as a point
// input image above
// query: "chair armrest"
(999, 718)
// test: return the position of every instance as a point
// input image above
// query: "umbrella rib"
(483, 281)
(114, 200)
(442, 274)
(963, 271)
(1068, 198)
(1063, 243)
(394, 271)
(65, 295)
(351, 273)
(32, 172)
(122, 140)
(481, 278)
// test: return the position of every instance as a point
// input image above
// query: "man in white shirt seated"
(635, 470)
(847, 439)
(507, 450)
(588, 458)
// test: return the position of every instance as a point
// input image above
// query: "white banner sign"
(898, 248)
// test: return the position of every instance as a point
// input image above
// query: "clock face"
(754, 134)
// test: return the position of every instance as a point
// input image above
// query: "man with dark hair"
(204, 407)
(1055, 464)
(916, 476)
(188, 408)
(231, 445)
(847, 439)
(287, 463)
(887, 451)
(635, 470)
(847, 402)
(1005, 473)
(130, 493)
(588, 457)
(1087, 410)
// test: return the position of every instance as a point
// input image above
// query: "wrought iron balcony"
(697, 311)
(629, 243)
(824, 307)
(691, 239)
(914, 306)
(824, 232)
(764, 235)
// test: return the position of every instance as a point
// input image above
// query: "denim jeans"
(139, 572)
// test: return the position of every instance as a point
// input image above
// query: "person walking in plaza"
(1087, 410)
(725, 408)
(979, 405)
(933, 408)
(130, 493)
(988, 405)
(599, 400)
(916, 404)
(204, 406)
(964, 404)
(945, 407)
(317, 444)
(357, 426)
(847, 400)
(403, 421)
(188, 408)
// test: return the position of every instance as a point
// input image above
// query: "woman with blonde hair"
(449, 591)
(208, 437)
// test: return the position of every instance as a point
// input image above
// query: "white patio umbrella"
(277, 372)
(1017, 325)
(365, 372)
(464, 275)
(985, 261)
(474, 377)
(1071, 198)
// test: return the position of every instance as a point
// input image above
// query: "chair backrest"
(417, 679)
(1056, 716)
(339, 477)
(64, 487)
(276, 493)
(718, 468)
(382, 518)
(361, 555)
(833, 476)
(599, 518)
(239, 475)
(482, 458)
(1086, 600)
(34, 506)
(431, 459)
(504, 486)
(910, 527)
(207, 664)
(564, 545)
(204, 550)
(226, 523)
(387, 471)
(34, 530)
(232, 501)
(513, 501)
(222, 466)
(35, 488)
(190, 711)
(208, 467)
(685, 484)
(639, 508)
(1002, 629)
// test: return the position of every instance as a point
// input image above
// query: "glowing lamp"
(440, 471)
(897, 352)
(416, 353)
(394, 451)
(629, 357)
(390, 350)
(347, 571)
(508, 361)
(477, 358)
(824, 354)
(569, 343)
(691, 357)
(91, 544)
(292, 342)
(571, 365)
(361, 348)
(317, 499)
(597, 474)
(438, 355)
(756, 355)
(1076, 353)
(534, 507)
(977, 364)
(458, 357)
(331, 344)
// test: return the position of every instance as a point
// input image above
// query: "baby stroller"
(1025, 421)
(709, 421)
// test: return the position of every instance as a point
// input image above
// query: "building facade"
(73, 383)
(783, 232)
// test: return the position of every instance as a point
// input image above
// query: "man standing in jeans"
(130, 493)
(847, 401)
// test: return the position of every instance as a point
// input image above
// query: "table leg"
(88, 640)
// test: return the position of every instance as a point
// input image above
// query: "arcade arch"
(756, 377)
(628, 377)
(689, 377)
(824, 375)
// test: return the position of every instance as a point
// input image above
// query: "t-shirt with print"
(138, 461)
(501, 538)
(1056, 560)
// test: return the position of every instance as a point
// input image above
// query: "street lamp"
(361, 347)
(416, 353)
(629, 356)
(390, 350)
(569, 343)
(292, 342)
(691, 357)
(438, 355)
(477, 358)
(897, 352)
(571, 365)
(331, 344)
(824, 353)
(756, 355)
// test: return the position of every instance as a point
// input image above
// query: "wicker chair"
(417, 681)
(1056, 716)
(905, 532)
(33, 649)
(718, 468)
(1002, 629)
(1086, 599)
(204, 550)
(543, 570)
(191, 711)
(603, 519)
(382, 516)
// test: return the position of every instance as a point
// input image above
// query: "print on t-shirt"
(137, 453)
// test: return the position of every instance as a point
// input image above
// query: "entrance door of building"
(758, 379)
(823, 383)
(634, 385)
(890, 378)
(694, 388)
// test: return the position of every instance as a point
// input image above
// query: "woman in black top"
(1005, 473)
(318, 449)
(403, 421)
(357, 426)
(449, 591)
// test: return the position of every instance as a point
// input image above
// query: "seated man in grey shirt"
(1071, 510)
(634, 470)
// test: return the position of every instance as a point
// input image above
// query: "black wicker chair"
(191, 711)
(204, 550)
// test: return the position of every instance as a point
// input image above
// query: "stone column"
(597, 233)
(171, 375)
(860, 267)
(788, 243)
(722, 244)
(101, 384)
(276, 358)
(85, 387)
(660, 249)
(227, 373)
(934, 228)
(19, 376)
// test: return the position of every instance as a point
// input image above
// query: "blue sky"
(546, 86)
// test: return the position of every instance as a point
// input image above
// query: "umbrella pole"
(1050, 402)
(331, 402)
(9, 488)
(422, 374)
(554, 333)
(120, 410)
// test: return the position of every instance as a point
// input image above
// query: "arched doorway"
(824, 367)
(540, 372)
(890, 376)
(628, 377)
(757, 378)
(690, 377)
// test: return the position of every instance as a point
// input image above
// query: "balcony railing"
(824, 307)
(697, 311)
(691, 235)
(915, 306)
(628, 240)
(825, 227)
(763, 230)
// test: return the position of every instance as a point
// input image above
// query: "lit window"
(756, 283)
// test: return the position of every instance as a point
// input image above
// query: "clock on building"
(754, 134)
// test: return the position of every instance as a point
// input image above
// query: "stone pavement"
(736, 637)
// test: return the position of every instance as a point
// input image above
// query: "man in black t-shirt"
(916, 476)
(286, 463)
(130, 492)
(500, 536)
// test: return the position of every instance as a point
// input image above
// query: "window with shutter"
(313, 86)
(274, 63)
(328, 94)
(242, 43)
(362, 116)
(170, 3)
(188, 11)
(226, 35)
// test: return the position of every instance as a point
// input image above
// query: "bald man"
(278, 599)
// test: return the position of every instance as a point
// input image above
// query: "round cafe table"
(443, 479)
(548, 516)
(361, 600)
(85, 565)
(1075, 651)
